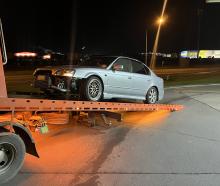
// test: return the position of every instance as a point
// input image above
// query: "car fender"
(99, 75)
(93, 74)
(87, 72)
(25, 135)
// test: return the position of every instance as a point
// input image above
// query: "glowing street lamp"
(161, 21)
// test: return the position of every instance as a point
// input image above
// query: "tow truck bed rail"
(20, 104)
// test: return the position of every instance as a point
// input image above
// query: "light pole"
(160, 22)
(200, 10)
(146, 48)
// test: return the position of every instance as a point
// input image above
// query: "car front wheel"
(93, 89)
(152, 96)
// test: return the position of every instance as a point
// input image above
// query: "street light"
(160, 22)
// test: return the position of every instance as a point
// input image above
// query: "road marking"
(191, 86)
(205, 72)
(200, 91)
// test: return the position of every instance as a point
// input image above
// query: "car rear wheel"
(152, 96)
(93, 89)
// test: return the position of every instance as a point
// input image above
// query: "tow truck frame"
(16, 139)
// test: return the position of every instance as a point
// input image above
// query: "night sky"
(108, 26)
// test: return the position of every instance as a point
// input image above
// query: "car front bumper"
(58, 83)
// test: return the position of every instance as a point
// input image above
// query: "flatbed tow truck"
(16, 139)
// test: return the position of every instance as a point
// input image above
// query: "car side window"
(139, 68)
(123, 65)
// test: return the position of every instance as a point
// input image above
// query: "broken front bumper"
(58, 84)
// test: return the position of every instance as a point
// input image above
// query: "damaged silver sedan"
(102, 77)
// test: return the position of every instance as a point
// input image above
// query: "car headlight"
(67, 73)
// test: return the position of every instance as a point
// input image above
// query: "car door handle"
(129, 77)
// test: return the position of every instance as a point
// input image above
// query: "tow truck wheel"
(12, 152)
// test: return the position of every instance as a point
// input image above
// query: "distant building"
(193, 54)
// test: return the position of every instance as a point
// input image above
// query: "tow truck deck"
(22, 104)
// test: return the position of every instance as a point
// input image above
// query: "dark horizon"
(108, 26)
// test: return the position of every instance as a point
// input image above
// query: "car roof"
(117, 56)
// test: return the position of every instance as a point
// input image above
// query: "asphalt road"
(147, 148)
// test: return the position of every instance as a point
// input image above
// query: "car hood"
(54, 69)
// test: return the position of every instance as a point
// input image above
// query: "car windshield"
(98, 61)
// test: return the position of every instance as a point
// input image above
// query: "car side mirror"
(117, 67)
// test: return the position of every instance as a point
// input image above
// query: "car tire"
(92, 90)
(152, 96)
(12, 152)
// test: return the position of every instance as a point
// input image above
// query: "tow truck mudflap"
(25, 135)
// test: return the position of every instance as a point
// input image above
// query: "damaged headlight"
(69, 73)
(65, 72)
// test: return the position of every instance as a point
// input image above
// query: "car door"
(141, 79)
(119, 79)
